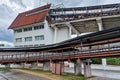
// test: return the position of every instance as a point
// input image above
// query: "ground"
(26, 74)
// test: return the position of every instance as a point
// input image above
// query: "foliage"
(110, 61)
(96, 61)
(4, 69)
(2, 45)
(113, 61)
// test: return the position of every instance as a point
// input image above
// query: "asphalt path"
(15, 75)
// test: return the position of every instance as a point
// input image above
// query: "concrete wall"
(47, 32)
(62, 34)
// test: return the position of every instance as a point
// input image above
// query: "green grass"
(4, 69)
(70, 76)
(64, 76)
(113, 61)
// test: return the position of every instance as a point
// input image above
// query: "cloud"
(9, 9)
(6, 44)
(78, 3)
(18, 2)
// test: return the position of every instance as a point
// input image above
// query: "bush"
(96, 61)
(113, 61)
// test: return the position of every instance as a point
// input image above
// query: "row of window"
(29, 28)
(27, 39)
(18, 30)
(36, 45)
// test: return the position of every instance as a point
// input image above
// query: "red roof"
(30, 17)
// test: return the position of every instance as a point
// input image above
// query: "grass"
(4, 69)
(113, 61)
(64, 76)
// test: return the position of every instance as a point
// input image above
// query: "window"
(28, 29)
(41, 37)
(18, 39)
(28, 39)
(39, 27)
(18, 30)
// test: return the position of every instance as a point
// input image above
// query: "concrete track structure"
(78, 50)
(103, 40)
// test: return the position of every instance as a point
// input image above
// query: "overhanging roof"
(30, 17)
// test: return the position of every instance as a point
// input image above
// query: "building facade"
(32, 29)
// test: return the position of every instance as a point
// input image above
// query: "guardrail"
(60, 55)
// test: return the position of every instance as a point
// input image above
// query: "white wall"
(62, 34)
(47, 32)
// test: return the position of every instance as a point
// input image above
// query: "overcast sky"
(9, 9)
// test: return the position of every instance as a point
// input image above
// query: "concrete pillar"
(77, 67)
(57, 68)
(46, 66)
(100, 25)
(87, 68)
(69, 32)
(22, 65)
(36, 65)
(104, 62)
(62, 63)
(7, 65)
(72, 28)
(26, 65)
(55, 34)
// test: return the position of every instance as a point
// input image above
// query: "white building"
(32, 29)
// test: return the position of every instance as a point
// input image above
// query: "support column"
(104, 62)
(46, 66)
(7, 65)
(87, 68)
(62, 65)
(55, 34)
(72, 28)
(34, 65)
(26, 65)
(69, 32)
(57, 68)
(22, 65)
(100, 25)
(77, 67)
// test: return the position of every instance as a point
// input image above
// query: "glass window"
(18, 30)
(39, 27)
(18, 39)
(28, 29)
(28, 39)
(40, 37)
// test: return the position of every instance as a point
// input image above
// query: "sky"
(9, 9)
